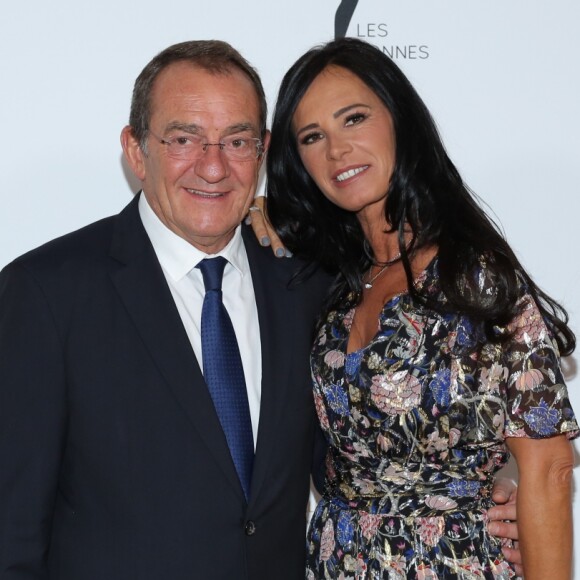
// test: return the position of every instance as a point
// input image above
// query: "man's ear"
(265, 145)
(133, 152)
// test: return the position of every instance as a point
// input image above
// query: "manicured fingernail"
(289, 254)
(265, 241)
(280, 252)
(248, 221)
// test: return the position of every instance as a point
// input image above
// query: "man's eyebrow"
(185, 127)
(240, 128)
(195, 129)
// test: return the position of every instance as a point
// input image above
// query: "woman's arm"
(544, 505)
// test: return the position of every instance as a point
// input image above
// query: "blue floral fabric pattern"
(416, 423)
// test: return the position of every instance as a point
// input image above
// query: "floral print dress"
(416, 423)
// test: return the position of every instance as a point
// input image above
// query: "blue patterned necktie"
(224, 373)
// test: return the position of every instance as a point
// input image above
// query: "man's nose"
(213, 165)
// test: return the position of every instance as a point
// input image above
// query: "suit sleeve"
(32, 424)
(318, 469)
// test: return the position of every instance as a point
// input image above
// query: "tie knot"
(212, 270)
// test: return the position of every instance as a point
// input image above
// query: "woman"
(436, 352)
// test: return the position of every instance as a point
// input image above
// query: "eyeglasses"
(190, 147)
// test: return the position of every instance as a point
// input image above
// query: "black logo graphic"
(343, 17)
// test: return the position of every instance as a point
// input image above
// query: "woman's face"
(346, 141)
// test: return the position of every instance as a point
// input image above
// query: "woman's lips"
(348, 173)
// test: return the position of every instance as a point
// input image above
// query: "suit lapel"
(275, 307)
(141, 284)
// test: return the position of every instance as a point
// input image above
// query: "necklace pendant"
(371, 279)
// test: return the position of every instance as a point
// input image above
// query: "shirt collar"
(176, 255)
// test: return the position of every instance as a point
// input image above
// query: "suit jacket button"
(250, 528)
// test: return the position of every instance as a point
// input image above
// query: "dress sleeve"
(538, 404)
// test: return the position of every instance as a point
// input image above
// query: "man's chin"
(210, 240)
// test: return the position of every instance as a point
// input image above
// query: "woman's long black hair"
(426, 193)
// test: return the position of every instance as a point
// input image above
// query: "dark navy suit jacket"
(113, 464)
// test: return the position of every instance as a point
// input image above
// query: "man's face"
(202, 200)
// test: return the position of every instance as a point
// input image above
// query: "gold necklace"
(369, 283)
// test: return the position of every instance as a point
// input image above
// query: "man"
(116, 461)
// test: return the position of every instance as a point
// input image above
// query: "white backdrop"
(500, 76)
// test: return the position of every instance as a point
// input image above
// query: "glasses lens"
(241, 148)
(187, 147)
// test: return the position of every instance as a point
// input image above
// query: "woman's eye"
(311, 138)
(355, 119)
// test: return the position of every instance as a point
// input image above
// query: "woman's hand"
(263, 229)
(502, 520)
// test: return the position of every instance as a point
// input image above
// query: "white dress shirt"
(178, 259)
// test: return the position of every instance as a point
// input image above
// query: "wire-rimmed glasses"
(190, 147)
